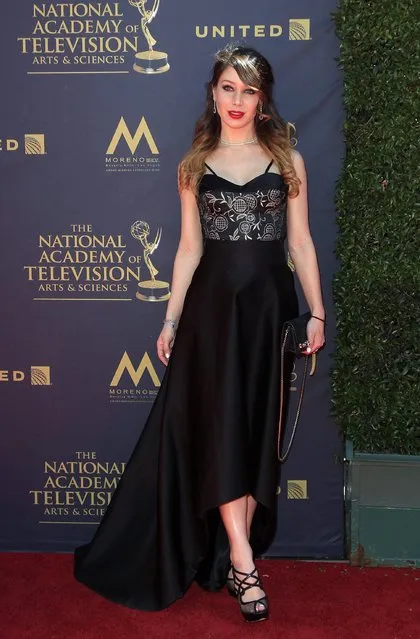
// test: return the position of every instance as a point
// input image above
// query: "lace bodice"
(252, 211)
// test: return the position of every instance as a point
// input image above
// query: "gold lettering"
(275, 30)
(80, 10)
(203, 33)
(75, 27)
(218, 31)
(81, 257)
(84, 467)
(83, 482)
(48, 44)
(81, 241)
(36, 494)
(70, 498)
(11, 145)
(82, 273)
(243, 30)
(24, 44)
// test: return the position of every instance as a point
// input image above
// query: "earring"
(261, 115)
(214, 106)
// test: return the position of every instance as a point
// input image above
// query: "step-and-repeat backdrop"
(99, 101)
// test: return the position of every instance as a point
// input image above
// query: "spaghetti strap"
(210, 169)
(269, 166)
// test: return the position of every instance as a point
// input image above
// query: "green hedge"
(375, 377)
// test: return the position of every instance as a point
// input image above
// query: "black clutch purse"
(294, 340)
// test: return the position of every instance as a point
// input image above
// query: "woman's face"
(236, 102)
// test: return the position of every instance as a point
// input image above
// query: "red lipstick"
(236, 115)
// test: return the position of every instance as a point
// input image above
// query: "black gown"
(211, 433)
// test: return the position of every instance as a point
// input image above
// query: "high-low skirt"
(210, 436)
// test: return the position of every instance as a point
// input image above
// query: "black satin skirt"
(210, 436)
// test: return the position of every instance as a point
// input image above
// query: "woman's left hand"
(316, 336)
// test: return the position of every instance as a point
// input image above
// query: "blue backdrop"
(90, 138)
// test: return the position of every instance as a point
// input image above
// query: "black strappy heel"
(249, 608)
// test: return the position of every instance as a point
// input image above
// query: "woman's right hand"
(165, 343)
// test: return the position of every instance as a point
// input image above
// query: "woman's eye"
(228, 87)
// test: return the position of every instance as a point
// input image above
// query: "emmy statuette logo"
(151, 290)
(150, 61)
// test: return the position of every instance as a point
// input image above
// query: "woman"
(198, 497)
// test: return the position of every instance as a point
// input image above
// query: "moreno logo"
(126, 366)
(122, 132)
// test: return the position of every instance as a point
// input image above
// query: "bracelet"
(172, 322)
(318, 318)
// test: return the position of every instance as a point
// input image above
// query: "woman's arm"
(190, 249)
(302, 252)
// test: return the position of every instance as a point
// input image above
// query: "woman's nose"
(237, 98)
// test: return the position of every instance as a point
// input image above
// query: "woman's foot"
(255, 608)
(244, 563)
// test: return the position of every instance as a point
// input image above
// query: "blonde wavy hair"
(273, 132)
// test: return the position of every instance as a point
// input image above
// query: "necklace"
(227, 143)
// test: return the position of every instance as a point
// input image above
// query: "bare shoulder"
(299, 164)
(297, 159)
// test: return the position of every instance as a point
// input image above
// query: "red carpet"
(309, 600)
